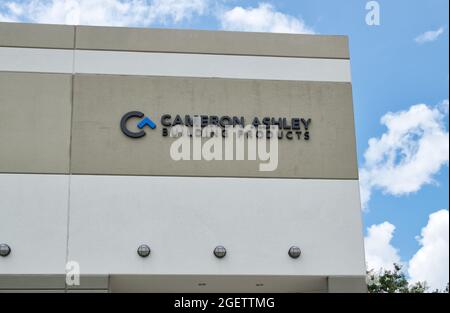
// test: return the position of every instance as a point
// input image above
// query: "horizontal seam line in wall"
(190, 176)
(195, 77)
(222, 53)
(186, 52)
(39, 47)
(50, 289)
(36, 72)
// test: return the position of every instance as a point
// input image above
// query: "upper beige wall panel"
(171, 40)
(36, 36)
(35, 111)
(211, 42)
(100, 101)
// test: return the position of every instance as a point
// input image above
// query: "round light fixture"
(220, 252)
(294, 252)
(5, 250)
(143, 251)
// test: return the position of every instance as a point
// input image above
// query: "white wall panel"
(183, 219)
(204, 65)
(33, 221)
(173, 64)
(36, 60)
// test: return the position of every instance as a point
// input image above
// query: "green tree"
(386, 281)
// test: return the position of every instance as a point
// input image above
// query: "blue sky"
(391, 72)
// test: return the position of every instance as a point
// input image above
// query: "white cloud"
(412, 150)
(431, 262)
(380, 254)
(147, 12)
(429, 36)
(6, 18)
(264, 18)
(443, 106)
(102, 12)
(14, 8)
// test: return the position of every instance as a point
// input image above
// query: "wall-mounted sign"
(289, 128)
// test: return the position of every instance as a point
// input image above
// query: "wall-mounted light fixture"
(5, 250)
(143, 251)
(220, 252)
(294, 252)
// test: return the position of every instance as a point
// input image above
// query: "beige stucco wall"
(99, 146)
(35, 114)
(51, 126)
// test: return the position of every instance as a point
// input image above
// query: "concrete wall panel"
(211, 66)
(183, 219)
(35, 115)
(218, 284)
(37, 36)
(33, 215)
(99, 146)
(211, 42)
(347, 284)
(172, 64)
(36, 60)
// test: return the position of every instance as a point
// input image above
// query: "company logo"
(212, 137)
(146, 121)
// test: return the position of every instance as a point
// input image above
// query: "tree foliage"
(395, 281)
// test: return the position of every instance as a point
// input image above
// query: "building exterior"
(79, 192)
